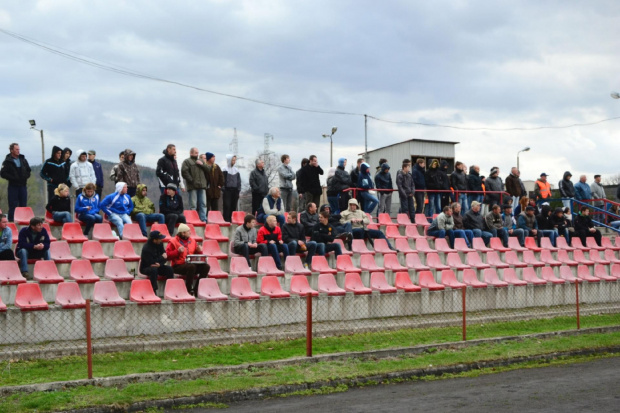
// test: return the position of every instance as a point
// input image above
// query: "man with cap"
(542, 188)
(177, 251)
(98, 172)
(153, 259)
(118, 206)
(193, 171)
(567, 189)
(598, 192)
(215, 182)
(287, 176)
(493, 184)
(171, 205)
(339, 182)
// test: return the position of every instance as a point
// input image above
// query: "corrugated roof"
(411, 140)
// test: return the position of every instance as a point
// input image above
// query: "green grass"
(302, 373)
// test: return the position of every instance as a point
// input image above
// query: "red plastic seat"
(49, 218)
(61, 253)
(490, 277)
(513, 244)
(606, 243)
(583, 273)
(529, 275)
(211, 248)
(103, 233)
(441, 245)
(478, 245)
(460, 244)
(328, 285)
(238, 217)
(611, 256)
(81, 271)
(421, 245)
(403, 219)
(367, 263)
(565, 259)
(547, 259)
(29, 298)
(213, 231)
(344, 264)
(370, 218)
(545, 244)
(474, 261)
(191, 217)
(394, 233)
(601, 272)
(293, 265)
(567, 274)
(270, 287)
(141, 292)
(494, 261)
(454, 261)
(14, 232)
(390, 262)
(379, 283)
(595, 256)
(106, 294)
(530, 244)
(93, 252)
(209, 290)
(510, 276)
(402, 245)
(513, 260)
(215, 271)
(413, 262)
(300, 286)
(72, 233)
(497, 245)
(192, 233)
(162, 228)
(576, 243)
(23, 215)
(615, 270)
(267, 266)
(320, 265)
(580, 258)
(116, 270)
(470, 279)
(49, 232)
(176, 291)
(69, 296)
(10, 273)
(547, 274)
(239, 267)
(591, 244)
(403, 282)
(420, 219)
(411, 231)
(448, 278)
(530, 259)
(132, 233)
(381, 246)
(358, 246)
(345, 251)
(2, 306)
(384, 219)
(561, 243)
(45, 272)
(240, 289)
(353, 283)
(124, 250)
(433, 261)
(215, 217)
(426, 280)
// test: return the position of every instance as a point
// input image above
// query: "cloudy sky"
(470, 64)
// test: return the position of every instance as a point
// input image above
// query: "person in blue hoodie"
(87, 207)
(420, 184)
(364, 181)
(383, 180)
(118, 206)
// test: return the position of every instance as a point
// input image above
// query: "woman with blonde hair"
(60, 205)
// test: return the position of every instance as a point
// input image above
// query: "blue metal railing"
(575, 202)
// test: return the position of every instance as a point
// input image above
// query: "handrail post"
(309, 325)
(89, 343)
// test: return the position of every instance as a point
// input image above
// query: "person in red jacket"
(177, 251)
(271, 235)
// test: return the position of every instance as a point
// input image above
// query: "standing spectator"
(118, 206)
(584, 227)
(598, 192)
(193, 171)
(286, 174)
(167, 169)
(300, 182)
(567, 190)
(66, 157)
(232, 187)
(312, 182)
(177, 251)
(542, 189)
(16, 170)
(60, 205)
(128, 172)
(459, 229)
(6, 240)
(419, 182)
(33, 244)
(271, 235)
(171, 206)
(495, 224)
(494, 184)
(474, 183)
(81, 173)
(446, 196)
(474, 221)
(406, 190)
(271, 206)
(443, 226)
(153, 259)
(144, 209)
(323, 234)
(114, 171)
(309, 218)
(582, 190)
(87, 208)
(383, 180)
(458, 180)
(433, 183)
(259, 184)
(514, 185)
(215, 182)
(293, 234)
(364, 182)
(332, 194)
(244, 240)
(53, 171)
(98, 172)
(340, 182)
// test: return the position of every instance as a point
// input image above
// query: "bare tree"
(612, 180)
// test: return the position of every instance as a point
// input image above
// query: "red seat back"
(106, 294)
(353, 283)
(124, 250)
(470, 278)
(497, 245)
(344, 264)
(68, 295)
(379, 283)
(209, 289)
(358, 246)
(403, 282)
(213, 231)
(240, 288)
(381, 246)
(300, 286)
(238, 217)
(448, 278)
(215, 217)
(116, 270)
(327, 284)
(215, 271)
(176, 291)
(413, 261)
(45, 272)
(426, 280)
(239, 266)
(270, 286)
(29, 298)
(141, 292)
(529, 275)
(132, 232)
(320, 265)
(420, 219)
(266, 265)
(391, 262)
(491, 278)
(10, 273)
(72, 232)
(23, 215)
(60, 252)
(511, 277)
(367, 263)
(566, 273)
(103, 233)
(191, 217)
(93, 251)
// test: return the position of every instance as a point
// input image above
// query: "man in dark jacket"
(312, 182)
(293, 235)
(406, 190)
(323, 235)
(171, 205)
(98, 171)
(128, 172)
(514, 186)
(259, 184)
(567, 189)
(458, 181)
(54, 172)
(433, 178)
(167, 169)
(66, 158)
(419, 182)
(474, 183)
(494, 184)
(215, 182)
(309, 218)
(16, 170)
(584, 227)
(474, 221)
(33, 243)
(339, 182)
(383, 180)
(300, 183)
(446, 197)
(153, 259)
(355, 174)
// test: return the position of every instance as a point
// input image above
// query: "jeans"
(551, 234)
(245, 250)
(119, 221)
(141, 218)
(322, 248)
(406, 207)
(287, 198)
(502, 233)
(172, 220)
(153, 273)
(475, 197)
(486, 236)
(18, 197)
(275, 249)
(333, 204)
(310, 245)
(22, 254)
(90, 220)
(197, 202)
(434, 204)
(370, 201)
(346, 227)
(441, 233)
(520, 234)
(566, 203)
(419, 203)
(467, 234)
(464, 201)
(385, 203)
(62, 216)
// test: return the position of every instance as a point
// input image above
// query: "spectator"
(364, 182)
(459, 229)
(178, 250)
(215, 182)
(419, 182)
(114, 171)
(355, 174)
(60, 205)
(447, 196)
(193, 170)
(433, 183)
(406, 190)
(510, 226)
(232, 187)
(613, 220)
(381, 162)
(332, 195)
(494, 184)
(598, 192)
(118, 206)
(323, 235)
(383, 180)
(561, 224)
(287, 176)
(167, 169)
(6, 240)
(458, 180)
(495, 224)
(514, 185)
(144, 209)
(128, 172)
(309, 218)
(582, 190)
(523, 202)
(66, 157)
(293, 234)
(153, 259)
(474, 221)
(567, 190)
(584, 227)
(16, 170)
(53, 171)
(527, 222)
(171, 206)
(98, 172)
(546, 225)
(33, 244)
(87, 208)
(272, 206)
(342, 231)
(443, 225)
(359, 220)
(259, 184)
(271, 236)
(311, 179)
(340, 182)
(300, 182)
(81, 173)
(244, 240)
(474, 183)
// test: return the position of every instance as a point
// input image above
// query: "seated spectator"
(177, 251)
(6, 240)
(613, 221)
(459, 230)
(271, 236)
(509, 224)
(309, 218)
(171, 206)
(443, 225)
(294, 236)
(520, 207)
(153, 259)
(244, 240)
(87, 207)
(60, 205)
(364, 181)
(495, 224)
(383, 180)
(584, 227)
(561, 224)
(144, 209)
(33, 244)
(527, 222)
(546, 225)
(272, 205)
(359, 220)
(474, 221)
(323, 235)
(342, 231)
(117, 206)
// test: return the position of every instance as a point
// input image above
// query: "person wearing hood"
(582, 190)
(359, 220)
(584, 227)
(493, 184)
(193, 170)
(128, 172)
(339, 182)
(312, 182)
(458, 181)
(87, 207)
(364, 182)
(433, 179)
(406, 190)
(215, 182)
(171, 206)
(598, 192)
(383, 180)
(259, 184)
(561, 224)
(287, 176)
(419, 182)
(16, 170)
(167, 169)
(53, 171)
(81, 173)
(231, 188)
(118, 206)
(546, 224)
(60, 205)
(144, 209)
(98, 171)
(474, 183)
(66, 157)
(567, 190)
(446, 197)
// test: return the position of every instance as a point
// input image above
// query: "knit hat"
(494, 171)
(341, 162)
(171, 186)
(209, 155)
(182, 228)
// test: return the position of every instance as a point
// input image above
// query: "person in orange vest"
(542, 188)
(177, 251)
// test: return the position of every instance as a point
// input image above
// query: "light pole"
(522, 150)
(33, 125)
(331, 146)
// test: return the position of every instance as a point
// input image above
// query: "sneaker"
(26, 275)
